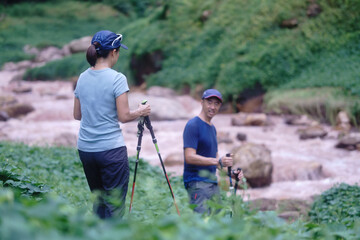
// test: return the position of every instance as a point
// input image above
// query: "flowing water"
(302, 168)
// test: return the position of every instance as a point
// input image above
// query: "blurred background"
(288, 71)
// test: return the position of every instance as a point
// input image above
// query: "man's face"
(211, 106)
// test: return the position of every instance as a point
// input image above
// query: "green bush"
(340, 204)
(60, 69)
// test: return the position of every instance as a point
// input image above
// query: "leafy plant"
(340, 204)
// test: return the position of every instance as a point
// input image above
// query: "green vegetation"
(44, 195)
(322, 104)
(230, 45)
(340, 204)
(59, 69)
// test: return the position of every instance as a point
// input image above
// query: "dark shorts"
(105, 172)
(200, 192)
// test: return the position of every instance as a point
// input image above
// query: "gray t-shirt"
(97, 91)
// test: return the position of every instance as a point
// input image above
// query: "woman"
(101, 101)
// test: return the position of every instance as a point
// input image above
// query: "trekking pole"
(138, 148)
(229, 173)
(237, 179)
(148, 125)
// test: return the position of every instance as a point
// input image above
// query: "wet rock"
(241, 137)
(349, 142)
(49, 54)
(80, 45)
(251, 105)
(224, 137)
(22, 65)
(255, 160)
(313, 10)
(62, 97)
(174, 159)
(302, 120)
(289, 215)
(18, 110)
(343, 122)
(164, 108)
(22, 89)
(289, 23)
(312, 132)
(251, 119)
(7, 100)
(205, 15)
(4, 116)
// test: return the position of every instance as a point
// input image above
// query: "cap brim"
(214, 96)
(124, 46)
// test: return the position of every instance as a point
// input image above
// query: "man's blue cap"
(108, 40)
(212, 93)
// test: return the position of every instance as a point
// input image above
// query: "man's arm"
(192, 158)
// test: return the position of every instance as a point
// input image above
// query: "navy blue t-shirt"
(200, 136)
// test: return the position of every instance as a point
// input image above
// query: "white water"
(293, 159)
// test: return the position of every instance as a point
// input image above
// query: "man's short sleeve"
(191, 135)
(120, 85)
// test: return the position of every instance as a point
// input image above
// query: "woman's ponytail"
(91, 54)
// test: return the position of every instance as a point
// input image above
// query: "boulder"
(164, 108)
(255, 160)
(313, 10)
(349, 142)
(4, 116)
(241, 137)
(289, 23)
(22, 89)
(343, 122)
(49, 54)
(80, 45)
(302, 120)
(312, 132)
(18, 110)
(224, 137)
(252, 119)
(7, 100)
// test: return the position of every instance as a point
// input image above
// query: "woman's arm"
(77, 109)
(123, 110)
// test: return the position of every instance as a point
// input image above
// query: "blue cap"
(108, 40)
(212, 93)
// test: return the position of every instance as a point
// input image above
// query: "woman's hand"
(144, 109)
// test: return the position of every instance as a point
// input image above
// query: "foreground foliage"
(63, 211)
(340, 204)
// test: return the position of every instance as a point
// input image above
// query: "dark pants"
(107, 174)
(200, 192)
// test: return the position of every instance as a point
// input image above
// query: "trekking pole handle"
(229, 173)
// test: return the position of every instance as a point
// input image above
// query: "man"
(201, 153)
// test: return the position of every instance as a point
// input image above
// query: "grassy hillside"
(231, 45)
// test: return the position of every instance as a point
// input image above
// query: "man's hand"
(227, 161)
(237, 174)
